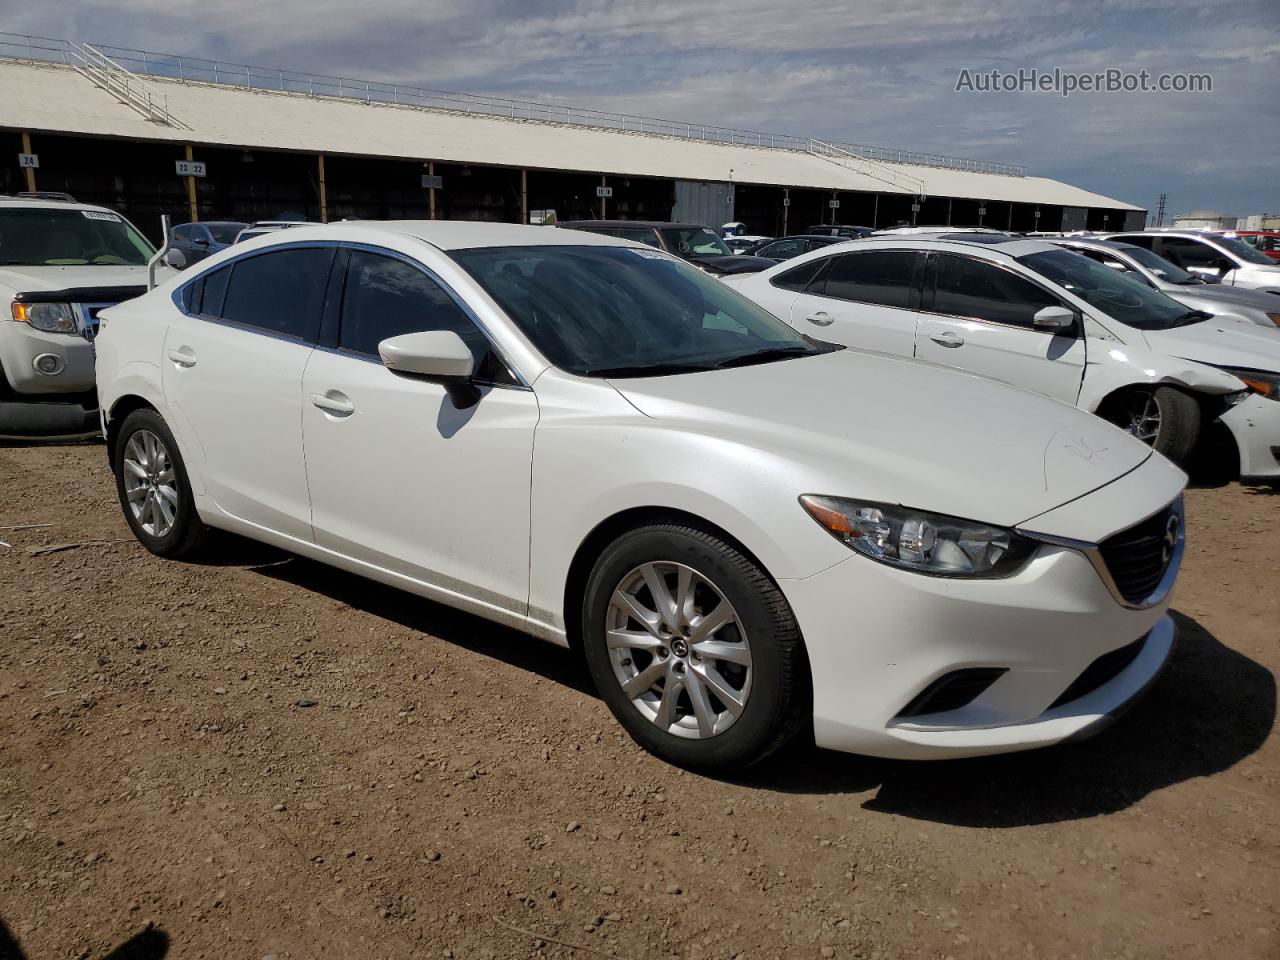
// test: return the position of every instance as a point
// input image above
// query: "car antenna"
(159, 257)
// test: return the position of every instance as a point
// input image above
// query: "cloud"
(865, 72)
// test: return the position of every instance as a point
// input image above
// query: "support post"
(524, 195)
(29, 171)
(431, 191)
(786, 208)
(193, 208)
(324, 189)
(949, 199)
(875, 213)
(604, 201)
(1010, 227)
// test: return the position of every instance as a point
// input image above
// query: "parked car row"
(768, 532)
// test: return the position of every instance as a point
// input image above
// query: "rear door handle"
(821, 318)
(183, 356)
(334, 403)
(947, 339)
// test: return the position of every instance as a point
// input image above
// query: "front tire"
(1164, 418)
(694, 649)
(152, 484)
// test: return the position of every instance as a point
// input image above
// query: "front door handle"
(947, 338)
(334, 403)
(821, 318)
(184, 357)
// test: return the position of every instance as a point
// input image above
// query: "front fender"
(1126, 365)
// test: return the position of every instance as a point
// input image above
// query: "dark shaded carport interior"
(139, 179)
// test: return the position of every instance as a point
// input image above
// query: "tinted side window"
(800, 277)
(973, 288)
(1138, 240)
(1189, 253)
(783, 249)
(639, 234)
(215, 292)
(280, 292)
(882, 278)
(385, 297)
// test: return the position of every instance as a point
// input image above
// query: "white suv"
(1047, 319)
(60, 263)
(1214, 256)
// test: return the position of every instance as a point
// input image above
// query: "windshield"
(225, 232)
(1130, 301)
(47, 237)
(628, 312)
(1243, 250)
(695, 242)
(1162, 268)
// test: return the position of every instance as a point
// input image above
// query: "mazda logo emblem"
(1170, 538)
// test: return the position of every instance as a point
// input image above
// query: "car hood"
(1216, 293)
(1221, 343)
(735, 264)
(861, 424)
(45, 279)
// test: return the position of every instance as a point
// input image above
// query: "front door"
(977, 316)
(401, 477)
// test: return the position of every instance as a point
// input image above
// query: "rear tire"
(711, 657)
(152, 484)
(1165, 418)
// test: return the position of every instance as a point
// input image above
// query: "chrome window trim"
(1093, 553)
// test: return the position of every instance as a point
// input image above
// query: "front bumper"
(1255, 425)
(877, 637)
(21, 344)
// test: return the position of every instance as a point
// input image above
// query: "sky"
(882, 73)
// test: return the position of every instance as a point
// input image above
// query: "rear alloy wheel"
(694, 648)
(151, 481)
(1164, 418)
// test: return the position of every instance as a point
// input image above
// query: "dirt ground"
(260, 757)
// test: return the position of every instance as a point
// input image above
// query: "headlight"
(1258, 381)
(925, 542)
(50, 317)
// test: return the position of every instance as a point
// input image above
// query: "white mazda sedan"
(746, 532)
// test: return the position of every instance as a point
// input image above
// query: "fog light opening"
(50, 364)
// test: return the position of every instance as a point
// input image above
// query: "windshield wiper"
(767, 355)
(649, 370)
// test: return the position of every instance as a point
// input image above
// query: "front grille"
(1106, 668)
(1138, 557)
(89, 318)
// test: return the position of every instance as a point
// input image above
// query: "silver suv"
(60, 263)
(1214, 256)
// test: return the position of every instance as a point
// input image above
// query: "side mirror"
(175, 258)
(436, 355)
(1223, 267)
(1054, 319)
(199, 242)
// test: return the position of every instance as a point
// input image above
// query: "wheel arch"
(121, 409)
(614, 526)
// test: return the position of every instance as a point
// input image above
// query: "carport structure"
(196, 139)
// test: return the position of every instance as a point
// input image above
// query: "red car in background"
(1264, 241)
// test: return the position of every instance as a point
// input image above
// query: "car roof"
(33, 203)
(1012, 246)
(1094, 243)
(451, 234)
(633, 223)
(812, 236)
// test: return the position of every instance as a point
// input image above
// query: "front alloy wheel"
(678, 650)
(694, 648)
(1164, 418)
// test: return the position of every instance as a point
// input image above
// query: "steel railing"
(894, 176)
(202, 70)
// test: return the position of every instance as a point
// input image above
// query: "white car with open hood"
(1046, 319)
(746, 533)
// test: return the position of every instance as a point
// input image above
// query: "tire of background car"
(145, 442)
(740, 669)
(1163, 417)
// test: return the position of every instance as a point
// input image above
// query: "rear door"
(866, 299)
(232, 374)
(977, 316)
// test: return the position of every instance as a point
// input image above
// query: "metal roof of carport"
(57, 99)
